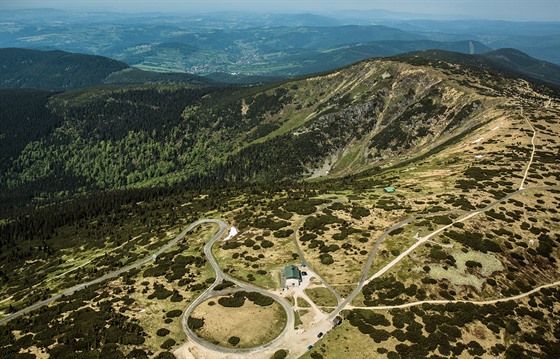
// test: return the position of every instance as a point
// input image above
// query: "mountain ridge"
(61, 71)
(57, 70)
(373, 113)
(507, 60)
(420, 193)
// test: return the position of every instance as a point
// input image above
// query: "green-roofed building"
(389, 189)
(293, 276)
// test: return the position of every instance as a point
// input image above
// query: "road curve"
(220, 276)
(114, 274)
(208, 293)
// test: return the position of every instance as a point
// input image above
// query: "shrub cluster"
(235, 301)
(195, 323)
(234, 340)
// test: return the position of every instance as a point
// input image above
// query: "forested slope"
(53, 70)
(97, 179)
(341, 123)
(63, 71)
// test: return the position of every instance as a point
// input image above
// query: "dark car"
(337, 321)
(309, 347)
(320, 335)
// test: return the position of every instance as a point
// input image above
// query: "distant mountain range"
(244, 45)
(286, 58)
(329, 59)
(63, 71)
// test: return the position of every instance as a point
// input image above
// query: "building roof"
(292, 272)
(389, 189)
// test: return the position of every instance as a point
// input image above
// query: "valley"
(238, 44)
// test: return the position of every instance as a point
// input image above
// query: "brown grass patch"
(253, 324)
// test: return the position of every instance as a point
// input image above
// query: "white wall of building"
(292, 283)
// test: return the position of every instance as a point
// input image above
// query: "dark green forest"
(54, 70)
(109, 138)
(25, 118)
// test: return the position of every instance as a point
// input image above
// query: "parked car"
(337, 321)
(309, 347)
(320, 335)
(303, 273)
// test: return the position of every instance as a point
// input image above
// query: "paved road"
(208, 293)
(205, 295)
(342, 304)
(111, 275)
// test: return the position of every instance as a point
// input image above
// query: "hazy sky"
(548, 10)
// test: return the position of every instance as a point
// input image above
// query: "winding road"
(111, 275)
(208, 293)
(342, 303)
(220, 276)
